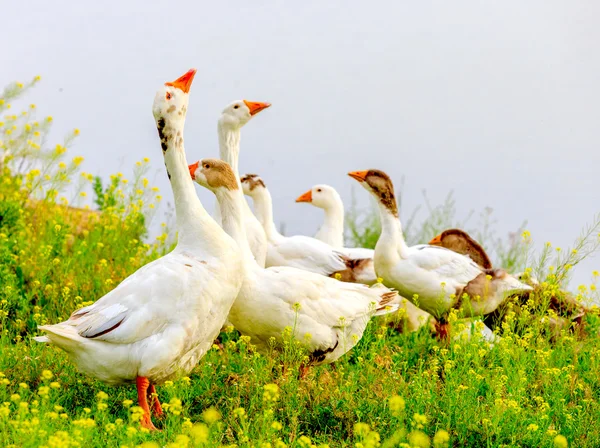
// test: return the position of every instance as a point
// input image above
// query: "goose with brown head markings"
(296, 251)
(439, 278)
(567, 311)
(327, 315)
(157, 323)
(459, 241)
(235, 116)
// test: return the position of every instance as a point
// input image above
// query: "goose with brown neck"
(436, 278)
(568, 312)
(327, 315)
(157, 323)
(235, 116)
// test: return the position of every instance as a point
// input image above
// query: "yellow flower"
(418, 439)
(397, 405)
(76, 131)
(560, 441)
(32, 106)
(43, 391)
(37, 78)
(83, 194)
(146, 159)
(420, 420)
(127, 403)
(77, 160)
(211, 415)
(102, 395)
(55, 385)
(532, 427)
(271, 392)
(155, 189)
(23, 386)
(20, 85)
(441, 439)
(49, 118)
(200, 433)
(62, 165)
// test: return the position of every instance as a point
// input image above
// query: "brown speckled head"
(459, 241)
(218, 174)
(253, 181)
(380, 185)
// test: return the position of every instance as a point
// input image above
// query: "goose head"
(252, 184)
(461, 242)
(213, 174)
(171, 101)
(238, 113)
(321, 196)
(379, 185)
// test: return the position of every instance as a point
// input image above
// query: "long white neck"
(391, 232)
(263, 209)
(332, 230)
(232, 218)
(196, 229)
(229, 148)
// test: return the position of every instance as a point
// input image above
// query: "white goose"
(332, 230)
(158, 322)
(297, 251)
(440, 277)
(232, 119)
(333, 313)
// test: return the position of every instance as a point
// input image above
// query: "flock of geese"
(237, 268)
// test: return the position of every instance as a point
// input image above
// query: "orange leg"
(304, 369)
(442, 329)
(156, 407)
(142, 389)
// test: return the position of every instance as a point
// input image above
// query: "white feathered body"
(306, 253)
(157, 323)
(326, 315)
(437, 276)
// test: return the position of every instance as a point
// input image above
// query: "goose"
(232, 119)
(568, 311)
(460, 241)
(327, 315)
(435, 278)
(332, 231)
(158, 322)
(297, 251)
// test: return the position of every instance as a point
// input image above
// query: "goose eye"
(168, 96)
(318, 190)
(206, 165)
(237, 106)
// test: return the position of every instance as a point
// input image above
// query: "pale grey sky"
(496, 100)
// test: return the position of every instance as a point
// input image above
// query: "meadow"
(67, 237)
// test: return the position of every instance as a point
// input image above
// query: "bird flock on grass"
(236, 268)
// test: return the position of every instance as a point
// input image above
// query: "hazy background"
(496, 100)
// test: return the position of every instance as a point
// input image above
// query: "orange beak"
(193, 167)
(184, 82)
(436, 241)
(256, 107)
(359, 175)
(306, 197)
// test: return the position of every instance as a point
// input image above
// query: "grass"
(391, 390)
